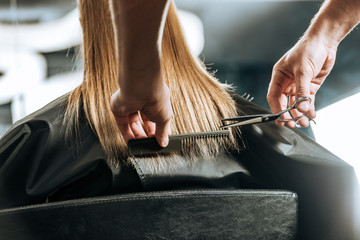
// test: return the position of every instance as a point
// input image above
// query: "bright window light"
(337, 128)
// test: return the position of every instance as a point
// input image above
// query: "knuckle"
(302, 92)
(117, 112)
(276, 66)
(304, 70)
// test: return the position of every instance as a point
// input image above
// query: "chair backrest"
(193, 214)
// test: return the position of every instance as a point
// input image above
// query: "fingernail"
(303, 106)
(165, 142)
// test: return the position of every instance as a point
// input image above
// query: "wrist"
(142, 87)
(136, 72)
(325, 32)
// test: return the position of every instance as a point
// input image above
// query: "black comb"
(149, 146)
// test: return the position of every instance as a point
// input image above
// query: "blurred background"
(40, 57)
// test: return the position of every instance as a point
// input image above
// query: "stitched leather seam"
(190, 196)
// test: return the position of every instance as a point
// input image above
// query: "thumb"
(303, 90)
(162, 133)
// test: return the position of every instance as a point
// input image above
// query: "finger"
(136, 126)
(291, 123)
(283, 104)
(121, 118)
(303, 90)
(124, 127)
(162, 133)
(275, 92)
(287, 115)
(149, 126)
(275, 108)
(312, 113)
(276, 98)
(303, 122)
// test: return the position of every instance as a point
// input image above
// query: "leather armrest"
(206, 214)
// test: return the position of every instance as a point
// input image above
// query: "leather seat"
(192, 214)
(37, 166)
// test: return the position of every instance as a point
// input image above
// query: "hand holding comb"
(177, 143)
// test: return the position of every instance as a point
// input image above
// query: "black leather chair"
(194, 214)
(36, 166)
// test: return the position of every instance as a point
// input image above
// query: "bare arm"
(335, 19)
(303, 69)
(138, 27)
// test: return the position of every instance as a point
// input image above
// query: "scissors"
(260, 118)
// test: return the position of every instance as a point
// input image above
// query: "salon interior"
(240, 40)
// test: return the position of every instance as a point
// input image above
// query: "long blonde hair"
(198, 100)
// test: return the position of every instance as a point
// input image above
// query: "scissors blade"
(245, 122)
(242, 118)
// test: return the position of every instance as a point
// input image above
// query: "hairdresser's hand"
(153, 104)
(300, 72)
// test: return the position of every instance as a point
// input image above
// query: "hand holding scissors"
(260, 118)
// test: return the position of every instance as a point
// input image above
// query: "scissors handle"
(300, 99)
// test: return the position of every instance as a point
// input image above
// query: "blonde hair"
(198, 100)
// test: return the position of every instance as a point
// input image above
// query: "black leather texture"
(213, 172)
(37, 166)
(206, 214)
(327, 187)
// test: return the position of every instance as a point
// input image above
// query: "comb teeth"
(177, 143)
(203, 139)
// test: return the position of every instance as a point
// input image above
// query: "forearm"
(335, 19)
(138, 31)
